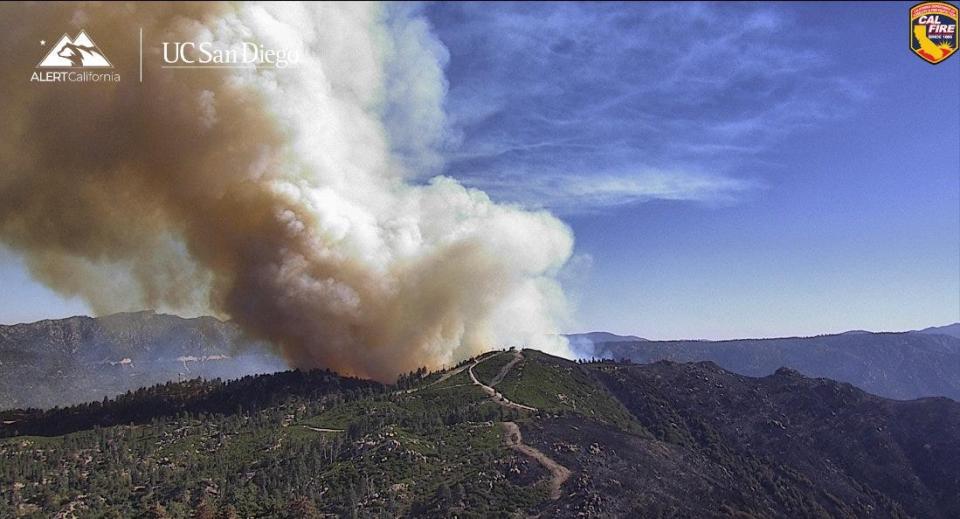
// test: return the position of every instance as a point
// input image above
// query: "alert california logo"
(74, 60)
(933, 31)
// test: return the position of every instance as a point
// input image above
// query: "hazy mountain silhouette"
(895, 365)
(66, 361)
(952, 330)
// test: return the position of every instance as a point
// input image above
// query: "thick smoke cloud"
(288, 200)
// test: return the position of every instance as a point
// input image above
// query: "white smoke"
(290, 200)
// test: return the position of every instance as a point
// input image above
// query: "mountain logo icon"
(79, 52)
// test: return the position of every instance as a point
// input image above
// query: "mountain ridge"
(66, 361)
(901, 365)
(579, 439)
(952, 330)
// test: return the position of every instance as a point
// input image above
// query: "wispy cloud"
(588, 106)
(587, 193)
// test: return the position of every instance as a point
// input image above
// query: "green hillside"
(554, 438)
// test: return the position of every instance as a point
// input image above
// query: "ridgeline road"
(517, 357)
(442, 378)
(492, 393)
(513, 438)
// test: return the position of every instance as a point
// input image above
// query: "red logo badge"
(933, 31)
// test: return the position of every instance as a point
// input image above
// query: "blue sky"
(729, 170)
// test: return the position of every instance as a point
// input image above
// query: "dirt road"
(493, 393)
(319, 429)
(517, 357)
(442, 378)
(558, 473)
(512, 435)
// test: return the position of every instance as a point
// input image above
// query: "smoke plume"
(293, 201)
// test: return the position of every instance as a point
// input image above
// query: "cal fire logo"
(80, 52)
(933, 31)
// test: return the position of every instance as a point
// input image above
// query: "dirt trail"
(517, 357)
(320, 429)
(443, 377)
(492, 393)
(447, 375)
(513, 438)
(558, 473)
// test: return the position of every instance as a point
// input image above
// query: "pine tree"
(156, 511)
(302, 508)
(203, 511)
(228, 512)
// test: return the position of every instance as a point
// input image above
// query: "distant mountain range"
(585, 344)
(952, 330)
(600, 337)
(79, 359)
(895, 365)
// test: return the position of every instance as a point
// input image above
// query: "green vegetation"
(489, 367)
(659, 440)
(247, 394)
(434, 451)
(556, 385)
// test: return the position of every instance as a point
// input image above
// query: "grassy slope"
(555, 385)
(488, 368)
